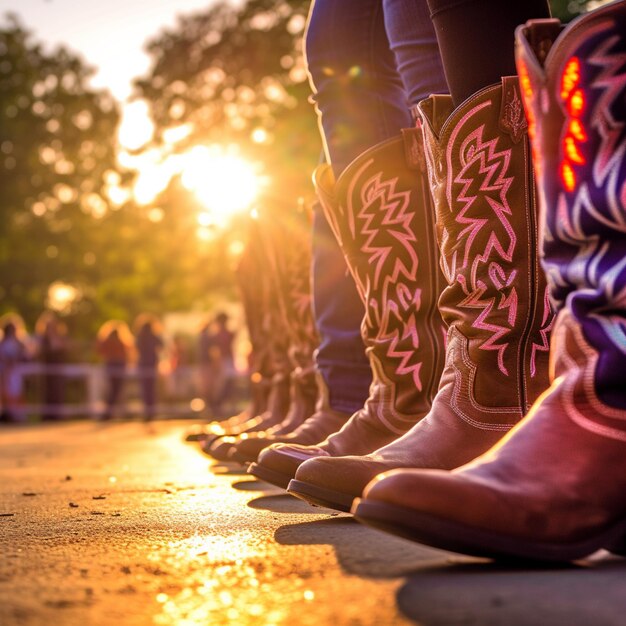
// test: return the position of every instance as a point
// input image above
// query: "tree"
(566, 10)
(58, 172)
(236, 74)
(57, 154)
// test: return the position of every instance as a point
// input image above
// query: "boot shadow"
(282, 502)
(360, 550)
(253, 485)
(500, 594)
(228, 469)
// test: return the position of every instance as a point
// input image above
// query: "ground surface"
(124, 524)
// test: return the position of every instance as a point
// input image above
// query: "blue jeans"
(368, 61)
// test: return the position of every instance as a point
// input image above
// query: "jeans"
(338, 312)
(368, 62)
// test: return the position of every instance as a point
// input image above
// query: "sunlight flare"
(224, 183)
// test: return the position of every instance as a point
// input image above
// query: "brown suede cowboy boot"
(291, 265)
(555, 488)
(495, 303)
(381, 213)
(273, 340)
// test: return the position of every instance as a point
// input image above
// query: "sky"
(109, 34)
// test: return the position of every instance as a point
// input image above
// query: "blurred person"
(179, 364)
(13, 352)
(205, 363)
(52, 351)
(148, 344)
(223, 362)
(115, 345)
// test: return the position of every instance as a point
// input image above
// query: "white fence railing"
(83, 389)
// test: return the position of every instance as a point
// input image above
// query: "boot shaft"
(296, 262)
(273, 342)
(288, 250)
(575, 97)
(381, 213)
(495, 302)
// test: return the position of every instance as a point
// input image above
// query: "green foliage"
(58, 157)
(56, 150)
(566, 10)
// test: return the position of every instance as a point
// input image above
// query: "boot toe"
(451, 496)
(348, 475)
(249, 449)
(221, 448)
(287, 458)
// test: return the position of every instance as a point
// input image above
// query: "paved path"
(124, 524)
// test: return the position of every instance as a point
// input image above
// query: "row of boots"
(486, 431)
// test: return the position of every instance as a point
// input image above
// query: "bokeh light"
(62, 296)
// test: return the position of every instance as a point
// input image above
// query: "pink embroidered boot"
(555, 488)
(381, 212)
(495, 303)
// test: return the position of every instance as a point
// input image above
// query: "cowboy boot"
(221, 447)
(252, 288)
(290, 265)
(554, 488)
(273, 349)
(324, 421)
(382, 217)
(495, 302)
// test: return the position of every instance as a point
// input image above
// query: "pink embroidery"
(484, 183)
(385, 220)
(547, 322)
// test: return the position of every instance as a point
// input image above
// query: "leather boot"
(221, 446)
(260, 387)
(381, 213)
(287, 253)
(282, 467)
(303, 399)
(554, 488)
(323, 422)
(495, 303)
(291, 267)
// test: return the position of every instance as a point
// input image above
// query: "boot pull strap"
(541, 34)
(413, 139)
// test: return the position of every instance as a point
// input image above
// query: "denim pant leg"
(338, 312)
(413, 41)
(361, 99)
(358, 93)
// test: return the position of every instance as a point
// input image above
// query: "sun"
(224, 183)
(136, 128)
